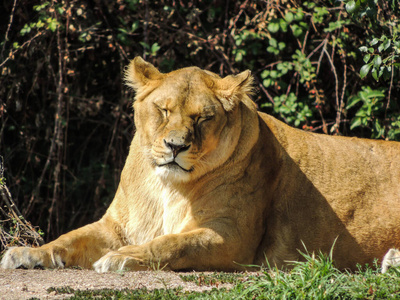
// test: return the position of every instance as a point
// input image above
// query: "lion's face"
(181, 126)
(186, 123)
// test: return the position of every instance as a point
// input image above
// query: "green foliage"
(381, 54)
(370, 113)
(372, 105)
(151, 50)
(381, 57)
(294, 112)
(303, 83)
(44, 20)
(317, 278)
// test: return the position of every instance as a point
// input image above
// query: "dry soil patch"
(25, 284)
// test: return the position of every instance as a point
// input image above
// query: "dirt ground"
(25, 284)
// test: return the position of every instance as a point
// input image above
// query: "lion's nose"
(176, 147)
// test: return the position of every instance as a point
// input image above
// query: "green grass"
(315, 278)
(215, 279)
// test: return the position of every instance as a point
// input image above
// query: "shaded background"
(66, 117)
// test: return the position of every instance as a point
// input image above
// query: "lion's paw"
(112, 261)
(116, 261)
(30, 258)
(391, 259)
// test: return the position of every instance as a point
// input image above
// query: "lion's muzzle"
(178, 140)
(176, 148)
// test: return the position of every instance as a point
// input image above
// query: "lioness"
(212, 184)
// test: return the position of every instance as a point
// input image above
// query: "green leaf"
(309, 5)
(289, 17)
(374, 74)
(351, 6)
(377, 61)
(375, 94)
(154, 48)
(334, 26)
(26, 29)
(267, 82)
(364, 70)
(363, 49)
(352, 101)
(272, 50)
(60, 10)
(381, 71)
(366, 58)
(52, 24)
(238, 41)
(299, 16)
(135, 26)
(273, 42)
(274, 74)
(355, 123)
(265, 74)
(144, 45)
(41, 6)
(374, 42)
(238, 57)
(273, 27)
(297, 31)
(386, 44)
(283, 25)
(379, 129)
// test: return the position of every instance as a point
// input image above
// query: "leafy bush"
(325, 66)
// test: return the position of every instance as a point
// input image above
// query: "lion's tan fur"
(212, 184)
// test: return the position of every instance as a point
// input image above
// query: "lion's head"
(188, 121)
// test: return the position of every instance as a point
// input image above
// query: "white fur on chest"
(161, 210)
(175, 214)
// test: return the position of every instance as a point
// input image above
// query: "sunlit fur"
(212, 184)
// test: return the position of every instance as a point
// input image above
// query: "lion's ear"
(139, 73)
(232, 88)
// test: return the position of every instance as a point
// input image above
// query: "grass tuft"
(317, 278)
(214, 279)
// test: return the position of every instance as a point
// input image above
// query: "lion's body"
(334, 187)
(212, 184)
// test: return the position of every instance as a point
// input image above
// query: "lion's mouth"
(173, 165)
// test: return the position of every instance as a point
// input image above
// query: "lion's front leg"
(80, 247)
(202, 249)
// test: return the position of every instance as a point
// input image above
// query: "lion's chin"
(173, 172)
